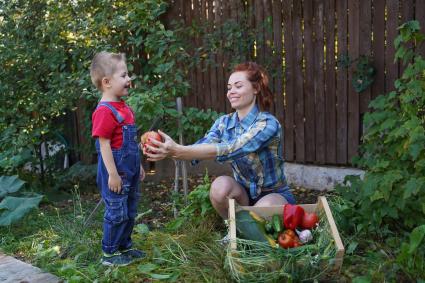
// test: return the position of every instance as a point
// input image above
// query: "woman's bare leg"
(222, 189)
(271, 199)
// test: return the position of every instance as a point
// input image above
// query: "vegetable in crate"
(305, 236)
(288, 239)
(251, 226)
(292, 216)
(310, 220)
(277, 223)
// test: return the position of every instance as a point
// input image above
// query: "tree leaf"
(10, 184)
(16, 208)
(412, 187)
(416, 238)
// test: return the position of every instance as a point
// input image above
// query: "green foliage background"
(389, 203)
(46, 48)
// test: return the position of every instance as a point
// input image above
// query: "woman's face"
(240, 91)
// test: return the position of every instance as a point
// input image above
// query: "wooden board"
(319, 86)
(269, 211)
(13, 270)
(341, 84)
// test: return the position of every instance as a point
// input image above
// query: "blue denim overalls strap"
(120, 208)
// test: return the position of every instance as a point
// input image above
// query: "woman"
(250, 139)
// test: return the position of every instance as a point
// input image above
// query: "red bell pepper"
(292, 216)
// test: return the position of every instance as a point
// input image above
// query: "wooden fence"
(317, 105)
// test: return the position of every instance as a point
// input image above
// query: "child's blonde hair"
(103, 65)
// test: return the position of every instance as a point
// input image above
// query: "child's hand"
(142, 173)
(114, 183)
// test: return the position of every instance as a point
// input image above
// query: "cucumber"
(251, 228)
(277, 223)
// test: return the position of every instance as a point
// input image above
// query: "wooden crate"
(269, 211)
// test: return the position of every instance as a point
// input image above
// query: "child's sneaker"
(116, 259)
(134, 253)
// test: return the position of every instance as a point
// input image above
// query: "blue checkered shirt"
(253, 147)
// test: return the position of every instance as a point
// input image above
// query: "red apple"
(151, 135)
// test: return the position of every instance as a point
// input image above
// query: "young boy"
(119, 170)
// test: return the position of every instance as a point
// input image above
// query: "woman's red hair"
(260, 81)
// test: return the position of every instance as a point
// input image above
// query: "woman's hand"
(160, 150)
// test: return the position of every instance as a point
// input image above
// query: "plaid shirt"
(253, 147)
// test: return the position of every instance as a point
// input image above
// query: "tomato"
(288, 239)
(285, 241)
(151, 135)
(310, 220)
(290, 233)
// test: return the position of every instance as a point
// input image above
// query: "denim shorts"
(285, 192)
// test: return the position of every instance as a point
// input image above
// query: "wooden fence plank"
(219, 64)
(278, 46)
(191, 101)
(251, 24)
(212, 70)
(310, 128)
(365, 29)
(341, 84)
(226, 73)
(270, 60)
(353, 96)
(260, 38)
(420, 17)
(206, 65)
(330, 99)
(319, 108)
(319, 90)
(378, 47)
(407, 14)
(233, 10)
(298, 82)
(392, 24)
(289, 84)
(206, 89)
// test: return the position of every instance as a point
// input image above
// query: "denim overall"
(120, 208)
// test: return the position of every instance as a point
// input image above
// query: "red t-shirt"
(105, 124)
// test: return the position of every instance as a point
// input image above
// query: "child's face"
(119, 83)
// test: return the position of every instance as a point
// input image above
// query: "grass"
(54, 239)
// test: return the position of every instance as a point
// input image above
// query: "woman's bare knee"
(225, 187)
(220, 188)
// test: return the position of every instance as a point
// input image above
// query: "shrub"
(393, 150)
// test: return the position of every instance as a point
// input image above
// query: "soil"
(157, 201)
(158, 197)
